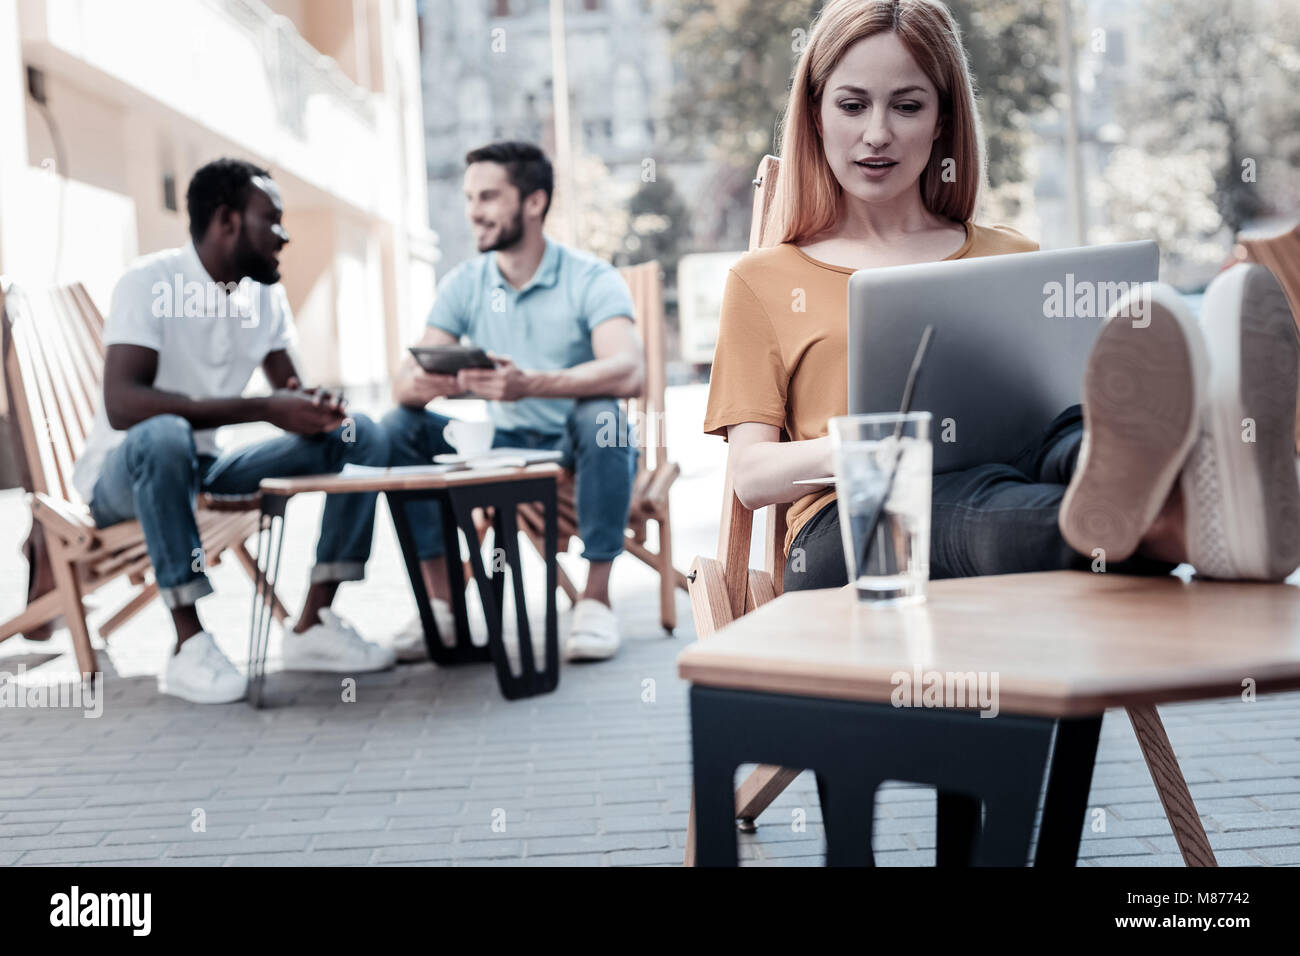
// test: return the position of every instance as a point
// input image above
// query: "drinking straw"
(904, 408)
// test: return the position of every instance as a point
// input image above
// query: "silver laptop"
(1011, 337)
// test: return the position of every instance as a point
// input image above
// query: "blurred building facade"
(139, 93)
(487, 73)
(1107, 30)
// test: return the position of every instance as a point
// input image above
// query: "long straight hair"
(808, 194)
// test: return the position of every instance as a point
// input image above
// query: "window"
(169, 191)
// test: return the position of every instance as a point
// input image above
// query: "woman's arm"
(764, 469)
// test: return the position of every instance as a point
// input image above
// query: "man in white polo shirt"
(186, 329)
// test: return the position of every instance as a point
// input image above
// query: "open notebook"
(501, 458)
(493, 458)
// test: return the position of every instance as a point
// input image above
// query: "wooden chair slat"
(76, 395)
(90, 317)
(83, 356)
(60, 414)
(20, 400)
(44, 443)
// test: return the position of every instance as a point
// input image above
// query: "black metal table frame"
(853, 747)
(458, 503)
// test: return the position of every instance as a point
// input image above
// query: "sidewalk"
(431, 765)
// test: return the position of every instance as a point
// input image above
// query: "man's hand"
(304, 413)
(505, 383)
(424, 386)
(321, 396)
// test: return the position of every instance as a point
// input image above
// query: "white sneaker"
(1143, 388)
(408, 644)
(333, 645)
(1240, 493)
(593, 635)
(201, 674)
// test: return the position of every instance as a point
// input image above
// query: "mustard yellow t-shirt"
(782, 352)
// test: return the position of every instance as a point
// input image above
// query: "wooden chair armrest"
(709, 599)
(64, 522)
(656, 490)
(735, 534)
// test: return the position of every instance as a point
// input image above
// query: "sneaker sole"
(340, 667)
(1242, 497)
(1142, 389)
(198, 697)
(579, 653)
(412, 655)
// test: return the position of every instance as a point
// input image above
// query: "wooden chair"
(655, 472)
(53, 349)
(724, 589)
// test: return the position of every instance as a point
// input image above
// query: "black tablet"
(450, 359)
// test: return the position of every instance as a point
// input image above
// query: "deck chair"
(725, 588)
(53, 350)
(655, 472)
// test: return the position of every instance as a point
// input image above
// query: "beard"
(251, 263)
(509, 236)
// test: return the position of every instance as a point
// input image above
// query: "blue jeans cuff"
(604, 554)
(184, 595)
(338, 571)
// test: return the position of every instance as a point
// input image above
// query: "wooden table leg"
(1189, 833)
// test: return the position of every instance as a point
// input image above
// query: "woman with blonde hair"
(882, 164)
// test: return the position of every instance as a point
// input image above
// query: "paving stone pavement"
(432, 766)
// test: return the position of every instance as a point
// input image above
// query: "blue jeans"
(990, 519)
(155, 474)
(598, 445)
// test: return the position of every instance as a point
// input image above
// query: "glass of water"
(889, 565)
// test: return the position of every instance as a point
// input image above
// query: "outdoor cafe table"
(458, 493)
(817, 680)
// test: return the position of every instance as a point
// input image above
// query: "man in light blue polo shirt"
(558, 324)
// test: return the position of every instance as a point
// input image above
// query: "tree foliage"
(1222, 84)
(659, 226)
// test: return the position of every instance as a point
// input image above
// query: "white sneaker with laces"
(1239, 485)
(334, 646)
(593, 635)
(408, 644)
(201, 674)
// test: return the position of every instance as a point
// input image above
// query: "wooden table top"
(1059, 643)
(395, 479)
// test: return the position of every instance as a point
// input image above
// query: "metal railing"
(297, 71)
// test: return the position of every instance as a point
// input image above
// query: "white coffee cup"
(469, 438)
